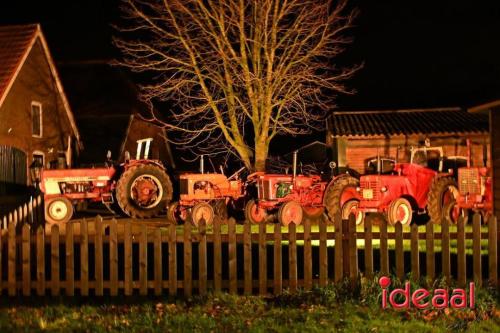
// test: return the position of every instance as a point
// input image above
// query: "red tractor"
(293, 196)
(475, 191)
(412, 189)
(203, 195)
(141, 187)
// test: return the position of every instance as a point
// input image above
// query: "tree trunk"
(261, 150)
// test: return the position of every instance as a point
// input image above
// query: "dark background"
(416, 53)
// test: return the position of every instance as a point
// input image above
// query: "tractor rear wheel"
(338, 194)
(143, 191)
(220, 209)
(202, 210)
(254, 213)
(400, 210)
(442, 191)
(290, 212)
(58, 210)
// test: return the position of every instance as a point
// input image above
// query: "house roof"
(16, 42)
(486, 106)
(405, 122)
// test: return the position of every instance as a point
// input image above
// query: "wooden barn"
(492, 111)
(36, 122)
(357, 137)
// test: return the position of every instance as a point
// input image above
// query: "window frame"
(39, 105)
(39, 153)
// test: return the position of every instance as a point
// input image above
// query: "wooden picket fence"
(110, 257)
(31, 212)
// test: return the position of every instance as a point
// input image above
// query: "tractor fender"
(333, 181)
(147, 162)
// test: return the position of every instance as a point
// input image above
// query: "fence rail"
(110, 257)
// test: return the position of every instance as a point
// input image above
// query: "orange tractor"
(204, 195)
(475, 191)
(140, 187)
(293, 196)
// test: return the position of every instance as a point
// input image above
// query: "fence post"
(247, 257)
(353, 250)
(26, 253)
(384, 250)
(307, 255)
(278, 276)
(202, 258)
(339, 271)
(217, 255)
(461, 265)
(55, 262)
(157, 262)
(415, 255)
(127, 257)
(492, 251)
(188, 267)
(445, 250)
(429, 247)
(400, 263)
(292, 256)
(368, 247)
(70, 261)
(98, 264)
(172, 260)
(323, 252)
(262, 259)
(11, 246)
(84, 258)
(40, 261)
(143, 260)
(476, 248)
(233, 278)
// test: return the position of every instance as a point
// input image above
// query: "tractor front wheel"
(202, 210)
(443, 190)
(351, 207)
(313, 212)
(400, 210)
(58, 210)
(451, 212)
(143, 191)
(254, 213)
(290, 212)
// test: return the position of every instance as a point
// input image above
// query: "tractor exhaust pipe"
(468, 153)
(295, 164)
(202, 164)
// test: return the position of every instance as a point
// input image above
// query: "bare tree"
(261, 66)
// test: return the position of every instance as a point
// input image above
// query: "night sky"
(416, 53)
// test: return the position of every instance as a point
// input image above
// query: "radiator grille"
(469, 181)
(370, 190)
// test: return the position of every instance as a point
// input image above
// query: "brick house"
(36, 121)
(359, 136)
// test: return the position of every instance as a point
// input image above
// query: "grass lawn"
(333, 309)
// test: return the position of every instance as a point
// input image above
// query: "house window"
(36, 118)
(39, 156)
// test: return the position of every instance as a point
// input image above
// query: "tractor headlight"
(358, 189)
(383, 189)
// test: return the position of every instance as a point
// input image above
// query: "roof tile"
(419, 121)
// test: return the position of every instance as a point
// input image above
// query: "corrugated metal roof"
(14, 43)
(404, 122)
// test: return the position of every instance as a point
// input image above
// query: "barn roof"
(406, 122)
(16, 42)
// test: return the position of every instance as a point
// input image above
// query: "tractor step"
(107, 198)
